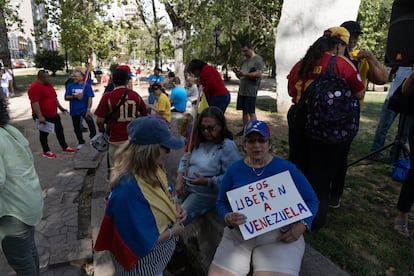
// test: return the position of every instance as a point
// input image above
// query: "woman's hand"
(199, 180)
(234, 219)
(177, 229)
(182, 213)
(294, 232)
(179, 185)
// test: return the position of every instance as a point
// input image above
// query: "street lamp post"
(216, 33)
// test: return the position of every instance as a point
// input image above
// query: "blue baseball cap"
(151, 130)
(257, 126)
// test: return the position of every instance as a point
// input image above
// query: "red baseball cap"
(126, 68)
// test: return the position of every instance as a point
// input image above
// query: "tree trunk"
(4, 40)
(179, 28)
(179, 53)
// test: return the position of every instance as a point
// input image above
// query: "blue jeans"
(19, 246)
(199, 200)
(387, 118)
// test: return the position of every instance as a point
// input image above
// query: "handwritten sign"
(268, 204)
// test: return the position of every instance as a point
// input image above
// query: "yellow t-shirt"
(163, 104)
(363, 68)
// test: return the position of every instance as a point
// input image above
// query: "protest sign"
(268, 204)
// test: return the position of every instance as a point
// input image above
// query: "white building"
(22, 43)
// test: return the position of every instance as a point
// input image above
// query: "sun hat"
(151, 130)
(340, 33)
(257, 126)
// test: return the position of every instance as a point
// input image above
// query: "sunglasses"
(260, 140)
(209, 128)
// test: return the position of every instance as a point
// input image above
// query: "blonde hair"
(141, 160)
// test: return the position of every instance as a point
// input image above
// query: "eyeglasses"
(209, 128)
(167, 150)
(260, 140)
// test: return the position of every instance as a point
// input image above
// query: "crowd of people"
(145, 214)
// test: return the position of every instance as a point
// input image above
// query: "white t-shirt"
(5, 78)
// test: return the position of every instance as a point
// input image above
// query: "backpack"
(331, 111)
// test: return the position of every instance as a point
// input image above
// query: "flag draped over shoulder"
(129, 229)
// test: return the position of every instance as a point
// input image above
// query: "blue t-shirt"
(239, 174)
(155, 79)
(79, 106)
(179, 98)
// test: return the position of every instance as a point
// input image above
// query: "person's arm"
(229, 155)
(88, 110)
(100, 122)
(61, 108)
(38, 112)
(377, 72)
(408, 84)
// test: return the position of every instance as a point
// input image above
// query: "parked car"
(18, 63)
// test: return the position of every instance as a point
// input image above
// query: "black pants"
(58, 130)
(77, 126)
(406, 198)
(297, 141)
(326, 163)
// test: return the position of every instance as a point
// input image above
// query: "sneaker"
(69, 150)
(49, 155)
(401, 227)
(240, 133)
(79, 146)
(334, 203)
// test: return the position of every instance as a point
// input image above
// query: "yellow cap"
(338, 32)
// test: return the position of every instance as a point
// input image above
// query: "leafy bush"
(50, 60)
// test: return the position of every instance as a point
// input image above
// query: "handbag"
(400, 103)
(400, 169)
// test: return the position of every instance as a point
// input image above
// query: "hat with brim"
(257, 126)
(151, 130)
(126, 68)
(339, 33)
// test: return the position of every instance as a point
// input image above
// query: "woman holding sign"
(270, 237)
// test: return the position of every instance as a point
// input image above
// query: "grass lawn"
(23, 82)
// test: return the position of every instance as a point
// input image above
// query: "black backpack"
(326, 110)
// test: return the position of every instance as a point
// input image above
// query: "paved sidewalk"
(62, 249)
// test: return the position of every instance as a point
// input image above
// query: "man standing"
(154, 78)
(369, 67)
(117, 111)
(178, 97)
(21, 202)
(80, 95)
(250, 74)
(45, 103)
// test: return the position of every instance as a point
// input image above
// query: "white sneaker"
(79, 146)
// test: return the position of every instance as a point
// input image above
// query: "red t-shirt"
(46, 96)
(132, 107)
(343, 67)
(212, 82)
